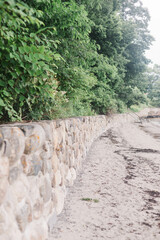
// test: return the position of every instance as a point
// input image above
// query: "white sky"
(154, 27)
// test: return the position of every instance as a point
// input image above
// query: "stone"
(35, 183)
(60, 194)
(72, 130)
(47, 126)
(26, 163)
(47, 167)
(2, 145)
(62, 157)
(63, 173)
(57, 179)
(3, 189)
(71, 161)
(11, 234)
(4, 173)
(10, 200)
(46, 188)
(55, 162)
(14, 143)
(32, 144)
(61, 136)
(8, 226)
(47, 151)
(35, 137)
(53, 199)
(67, 125)
(58, 123)
(69, 178)
(69, 140)
(38, 208)
(73, 173)
(20, 188)
(75, 148)
(48, 208)
(23, 214)
(67, 155)
(78, 122)
(77, 136)
(3, 220)
(29, 129)
(32, 164)
(74, 137)
(52, 219)
(14, 173)
(37, 230)
(36, 167)
(55, 139)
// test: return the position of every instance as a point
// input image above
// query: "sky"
(154, 27)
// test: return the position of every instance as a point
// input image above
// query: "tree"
(152, 76)
(71, 57)
(136, 19)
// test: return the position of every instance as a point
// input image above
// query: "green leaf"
(11, 83)
(26, 49)
(11, 55)
(23, 90)
(32, 35)
(26, 58)
(57, 56)
(34, 49)
(7, 94)
(14, 47)
(2, 83)
(2, 103)
(42, 49)
(36, 56)
(34, 66)
(14, 75)
(21, 98)
(17, 90)
(21, 50)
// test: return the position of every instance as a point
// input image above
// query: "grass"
(90, 200)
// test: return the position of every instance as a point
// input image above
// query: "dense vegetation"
(152, 77)
(64, 58)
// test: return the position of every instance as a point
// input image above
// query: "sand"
(117, 194)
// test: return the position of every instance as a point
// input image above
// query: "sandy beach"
(117, 193)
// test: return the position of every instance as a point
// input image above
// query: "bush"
(28, 86)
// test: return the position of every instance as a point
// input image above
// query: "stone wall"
(38, 161)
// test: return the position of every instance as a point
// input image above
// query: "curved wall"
(38, 161)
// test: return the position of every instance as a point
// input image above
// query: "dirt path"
(117, 195)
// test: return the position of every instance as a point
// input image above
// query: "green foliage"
(63, 58)
(135, 96)
(90, 200)
(152, 76)
(28, 84)
(135, 19)
(139, 107)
